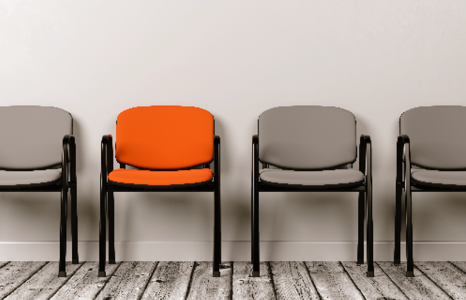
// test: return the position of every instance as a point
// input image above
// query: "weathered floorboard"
(16, 273)
(85, 284)
(417, 287)
(446, 276)
(189, 280)
(170, 281)
(204, 286)
(292, 281)
(377, 287)
(331, 281)
(44, 283)
(3, 263)
(247, 287)
(128, 282)
(460, 265)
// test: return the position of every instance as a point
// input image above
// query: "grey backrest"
(31, 136)
(437, 135)
(307, 137)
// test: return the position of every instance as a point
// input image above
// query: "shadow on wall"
(34, 215)
(165, 217)
(225, 156)
(80, 158)
(88, 195)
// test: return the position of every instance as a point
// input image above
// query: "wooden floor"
(193, 280)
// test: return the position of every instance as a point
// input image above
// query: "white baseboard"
(232, 251)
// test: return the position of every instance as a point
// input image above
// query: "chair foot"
(102, 274)
(370, 274)
(360, 262)
(216, 274)
(396, 262)
(62, 274)
(410, 274)
(75, 261)
(256, 274)
(112, 262)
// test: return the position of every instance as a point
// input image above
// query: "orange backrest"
(164, 137)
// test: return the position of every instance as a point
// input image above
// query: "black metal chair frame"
(107, 203)
(406, 184)
(61, 185)
(364, 202)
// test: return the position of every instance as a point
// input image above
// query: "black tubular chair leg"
(255, 238)
(370, 233)
(217, 211)
(361, 217)
(111, 228)
(253, 180)
(74, 226)
(217, 234)
(409, 235)
(102, 233)
(63, 211)
(252, 224)
(107, 156)
(252, 220)
(408, 207)
(397, 254)
(399, 191)
(74, 205)
(256, 262)
(370, 236)
(219, 237)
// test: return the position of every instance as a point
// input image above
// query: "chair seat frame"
(364, 202)
(67, 183)
(107, 202)
(405, 185)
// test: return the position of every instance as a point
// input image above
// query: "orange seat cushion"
(147, 177)
(165, 137)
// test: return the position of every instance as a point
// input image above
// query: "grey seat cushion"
(439, 178)
(28, 177)
(312, 178)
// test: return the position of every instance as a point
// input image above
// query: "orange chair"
(171, 148)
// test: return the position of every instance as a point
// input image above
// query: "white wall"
(235, 59)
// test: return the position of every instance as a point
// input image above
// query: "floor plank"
(446, 276)
(331, 281)
(170, 281)
(417, 287)
(128, 282)
(460, 265)
(3, 263)
(377, 287)
(292, 281)
(85, 284)
(204, 286)
(247, 287)
(189, 280)
(16, 273)
(44, 283)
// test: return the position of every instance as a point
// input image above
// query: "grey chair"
(38, 154)
(312, 147)
(433, 139)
